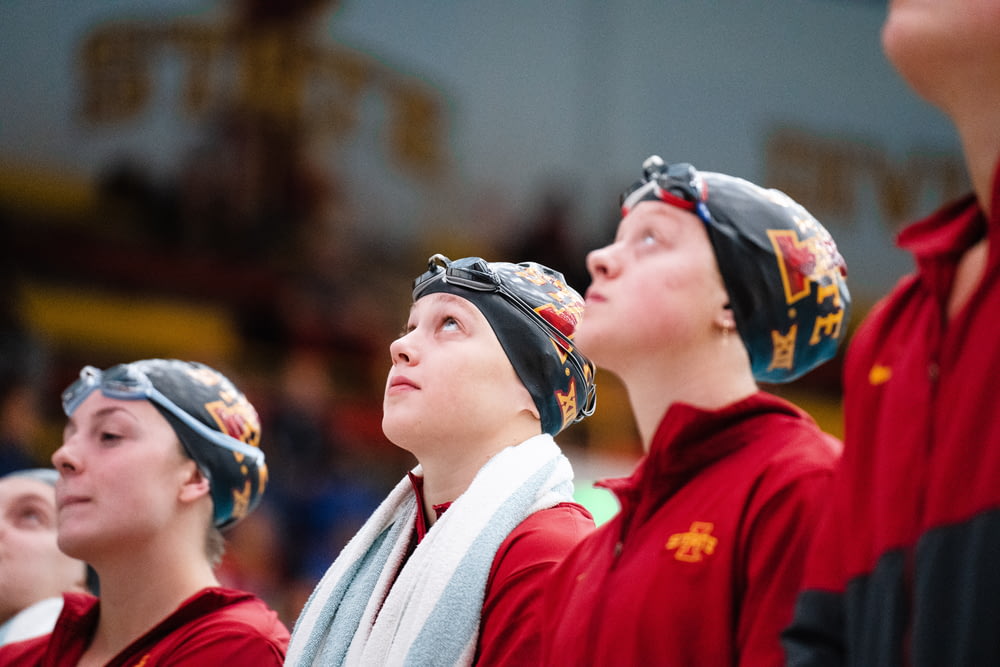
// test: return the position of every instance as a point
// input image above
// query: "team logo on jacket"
(694, 545)
(879, 374)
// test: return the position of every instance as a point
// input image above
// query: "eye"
(449, 323)
(648, 237)
(110, 438)
(31, 516)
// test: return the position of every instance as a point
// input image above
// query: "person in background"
(34, 573)
(157, 457)
(447, 569)
(710, 285)
(903, 570)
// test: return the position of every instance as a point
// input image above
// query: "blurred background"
(255, 183)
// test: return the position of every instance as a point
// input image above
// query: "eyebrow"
(31, 496)
(35, 495)
(103, 412)
(456, 300)
(449, 299)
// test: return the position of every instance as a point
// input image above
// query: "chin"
(397, 431)
(73, 545)
(591, 346)
(917, 50)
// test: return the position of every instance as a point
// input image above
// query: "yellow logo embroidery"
(695, 544)
(879, 374)
(567, 402)
(241, 501)
(784, 348)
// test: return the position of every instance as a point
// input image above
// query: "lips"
(593, 296)
(69, 501)
(401, 383)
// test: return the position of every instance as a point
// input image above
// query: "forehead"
(445, 299)
(14, 489)
(97, 408)
(659, 214)
(474, 323)
(98, 405)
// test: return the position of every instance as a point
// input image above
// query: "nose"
(602, 263)
(401, 350)
(65, 459)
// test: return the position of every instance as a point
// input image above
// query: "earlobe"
(725, 320)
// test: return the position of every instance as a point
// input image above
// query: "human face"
(656, 290)
(450, 380)
(121, 469)
(32, 567)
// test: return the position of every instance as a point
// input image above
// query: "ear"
(526, 403)
(725, 319)
(195, 484)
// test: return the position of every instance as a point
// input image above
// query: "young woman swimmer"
(157, 456)
(711, 285)
(448, 569)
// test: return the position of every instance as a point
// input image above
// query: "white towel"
(368, 611)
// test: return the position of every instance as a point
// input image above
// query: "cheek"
(485, 384)
(26, 545)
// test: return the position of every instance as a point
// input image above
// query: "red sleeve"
(780, 537)
(510, 628)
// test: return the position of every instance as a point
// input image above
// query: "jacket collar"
(688, 440)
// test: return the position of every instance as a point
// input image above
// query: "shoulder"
(782, 436)
(245, 611)
(238, 623)
(27, 652)
(543, 539)
(554, 529)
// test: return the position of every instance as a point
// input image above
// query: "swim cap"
(534, 314)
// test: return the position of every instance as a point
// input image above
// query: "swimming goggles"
(125, 382)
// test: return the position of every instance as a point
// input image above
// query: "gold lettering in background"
(829, 176)
(268, 71)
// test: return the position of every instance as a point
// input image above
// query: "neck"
(709, 381)
(980, 137)
(138, 590)
(449, 472)
(970, 97)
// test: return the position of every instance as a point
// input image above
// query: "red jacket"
(905, 567)
(510, 625)
(702, 564)
(215, 627)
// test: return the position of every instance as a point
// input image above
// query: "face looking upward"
(450, 378)
(122, 475)
(656, 290)
(32, 567)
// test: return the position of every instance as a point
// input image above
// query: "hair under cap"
(534, 314)
(785, 278)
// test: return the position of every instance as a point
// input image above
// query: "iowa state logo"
(694, 545)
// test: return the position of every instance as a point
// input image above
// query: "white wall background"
(578, 91)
